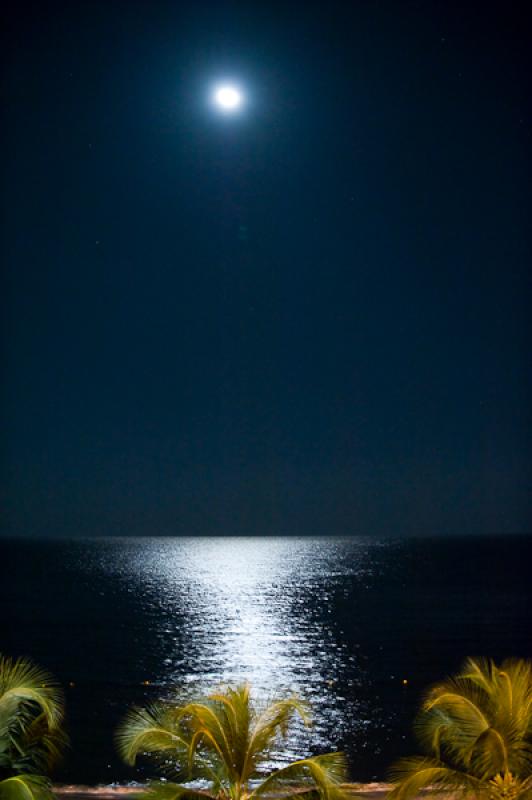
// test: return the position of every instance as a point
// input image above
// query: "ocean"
(358, 626)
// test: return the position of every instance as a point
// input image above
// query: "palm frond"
(205, 718)
(23, 685)
(411, 775)
(31, 710)
(221, 738)
(514, 709)
(26, 787)
(40, 747)
(489, 756)
(237, 713)
(525, 789)
(148, 731)
(477, 729)
(325, 773)
(479, 672)
(274, 720)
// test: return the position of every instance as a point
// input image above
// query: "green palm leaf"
(149, 731)
(24, 687)
(322, 774)
(26, 787)
(410, 775)
(31, 710)
(223, 739)
(476, 729)
(273, 722)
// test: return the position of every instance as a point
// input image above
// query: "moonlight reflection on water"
(343, 622)
(258, 611)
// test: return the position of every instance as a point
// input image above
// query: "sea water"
(358, 626)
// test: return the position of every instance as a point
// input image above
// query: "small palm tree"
(225, 741)
(31, 739)
(476, 729)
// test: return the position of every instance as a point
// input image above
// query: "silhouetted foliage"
(31, 738)
(476, 730)
(226, 740)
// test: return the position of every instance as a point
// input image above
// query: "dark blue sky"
(309, 318)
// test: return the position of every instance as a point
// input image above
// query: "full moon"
(228, 98)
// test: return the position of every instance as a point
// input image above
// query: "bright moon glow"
(228, 98)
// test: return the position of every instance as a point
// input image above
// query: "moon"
(228, 98)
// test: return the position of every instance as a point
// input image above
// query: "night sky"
(309, 317)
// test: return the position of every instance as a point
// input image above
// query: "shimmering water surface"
(344, 622)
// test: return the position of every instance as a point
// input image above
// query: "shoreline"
(371, 791)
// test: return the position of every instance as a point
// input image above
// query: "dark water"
(341, 621)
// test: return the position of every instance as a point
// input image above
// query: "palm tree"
(476, 729)
(31, 739)
(225, 740)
